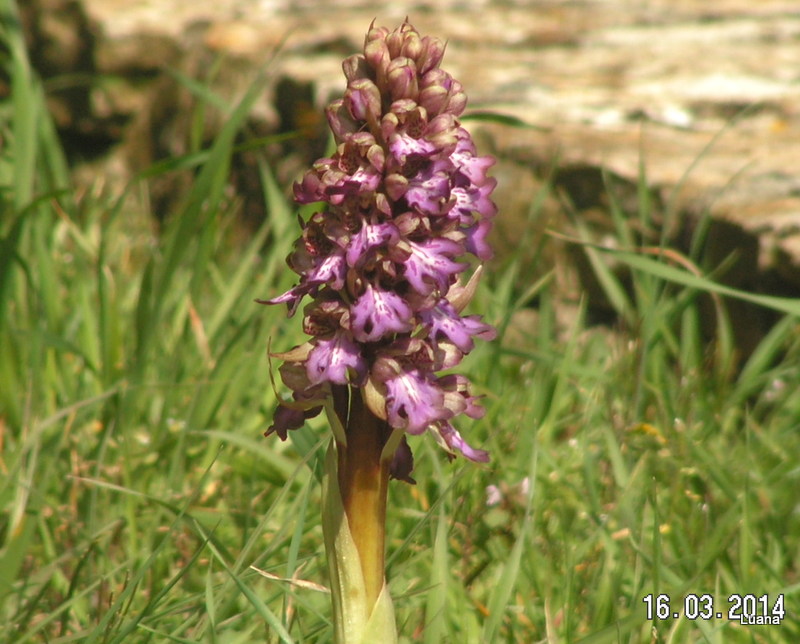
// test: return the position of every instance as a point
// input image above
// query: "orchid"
(403, 199)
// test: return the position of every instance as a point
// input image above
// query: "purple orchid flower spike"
(405, 196)
(403, 200)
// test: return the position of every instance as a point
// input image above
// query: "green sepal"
(337, 428)
(381, 626)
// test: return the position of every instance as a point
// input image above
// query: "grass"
(140, 502)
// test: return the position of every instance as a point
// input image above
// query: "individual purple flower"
(378, 313)
(429, 190)
(429, 264)
(476, 242)
(414, 401)
(307, 399)
(332, 359)
(371, 236)
(443, 322)
(449, 438)
(471, 200)
(405, 197)
(404, 146)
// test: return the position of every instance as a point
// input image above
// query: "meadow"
(140, 501)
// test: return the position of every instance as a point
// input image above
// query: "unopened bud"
(431, 54)
(375, 33)
(377, 56)
(389, 124)
(433, 99)
(443, 132)
(401, 78)
(394, 42)
(363, 100)
(355, 67)
(457, 101)
(396, 186)
(412, 46)
(339, 119)
(376, 156)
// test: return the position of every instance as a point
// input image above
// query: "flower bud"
(402, 107)
(377, 56)
(394, 43)
(443, 131)
(376, 156)
(459, 296)
(339, 120)
(375, 33)
(382, 204)
(457, 102)
(396, 186)
(363, 100)
(355, 67)
(435, 78)
(412, 46)
(434, 99)
(431, 54)
(401, 78)
(389, 124)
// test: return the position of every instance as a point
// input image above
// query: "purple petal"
(453, 441)
(470, 199)
(370, 236)
(429, 191)
(443, 321)
(402, 463)
(363, 180)
(330, 270)
(413, 402)
(331, 358)
(429, 264)
(476, 239)
(350, 172)
(377, 313)
(293, 296)
(471, 166)
(287, 418)
(402, 146)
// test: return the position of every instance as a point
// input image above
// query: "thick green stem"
(354, 515)
(363, 482)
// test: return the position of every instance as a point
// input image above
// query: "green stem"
(363, 482)
(354, 489)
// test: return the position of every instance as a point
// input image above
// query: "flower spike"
(405, 197)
